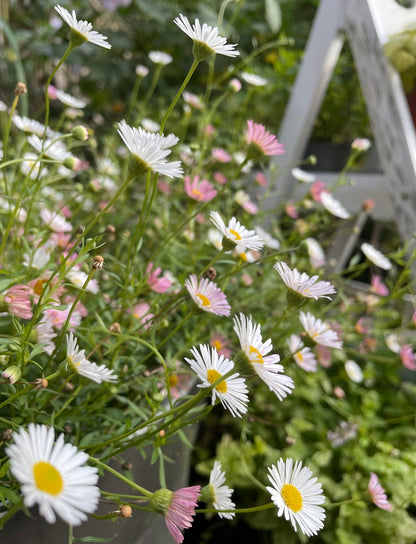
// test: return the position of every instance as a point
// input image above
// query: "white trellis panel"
(366, 24)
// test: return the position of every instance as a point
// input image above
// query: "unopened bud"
(110, 229)
(80, 133)
(11, 374)
(72, 163)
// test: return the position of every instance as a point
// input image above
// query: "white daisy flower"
(30, 166)
(256, 351)
(297, 495)
(215, 237)
(28, 125)
(221, 494)
(302, 284)
(83, 366)
(206, 39)
(302, 175)
(302, 355)
(142, 71)
(160, 57)
(333, 206)
(353, 371)
(69, 100)
(53, 475)
(3, 106)
(45, 333)
(55, 221)
(81, 31)
(240, 238)
(78, 278)
(319, 332)
(361, 144)
(210, 366)
(253, 79)
(150, 150)
(53, 150)
(207, 296)
(375, 256)
(150, 126)
(269, 241)
(316, 253)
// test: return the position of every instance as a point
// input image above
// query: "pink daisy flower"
(317, 188)
(378, 286)
(264, 142)
(207, 296)
(220, 155)
(378, 495)
(18, 301)
(220, 178)
(200, 190)
(221, 344)
(291, 209)
(408, 357)
(141, 312)
(178, 507)
(157, 284)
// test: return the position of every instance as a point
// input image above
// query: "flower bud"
(11, 374)
(80, 133)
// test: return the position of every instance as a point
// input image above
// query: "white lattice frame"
(367, 25)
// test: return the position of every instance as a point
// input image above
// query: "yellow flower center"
(258, 356)
(292, 497)
(299, 357)
(197, 194)
(213, 376)
(204, 300)
(48, 478)
(235, 234)
(173, 380)
(217, 344)
(38, 287)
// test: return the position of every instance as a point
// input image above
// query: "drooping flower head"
(210, 367)
(81, 31)
(53, 475)
(375, 256)
(206, 39)
(235, 235)
(319, 332)
(178, 507)
(297, 495)
(261, 141)
(256, 356)
(17, 301)
(301, 286)
(333, 206)
(378, 495)
(157, 283)
(217, 493)
(78, 361)
(150, 150)
(207, 295)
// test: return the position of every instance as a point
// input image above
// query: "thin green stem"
(178, 94)
(123, 478)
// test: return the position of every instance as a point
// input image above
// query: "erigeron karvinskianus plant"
(99, 320)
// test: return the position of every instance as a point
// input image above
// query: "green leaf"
(273, 15)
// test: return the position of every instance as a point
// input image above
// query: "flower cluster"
(149, 280)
